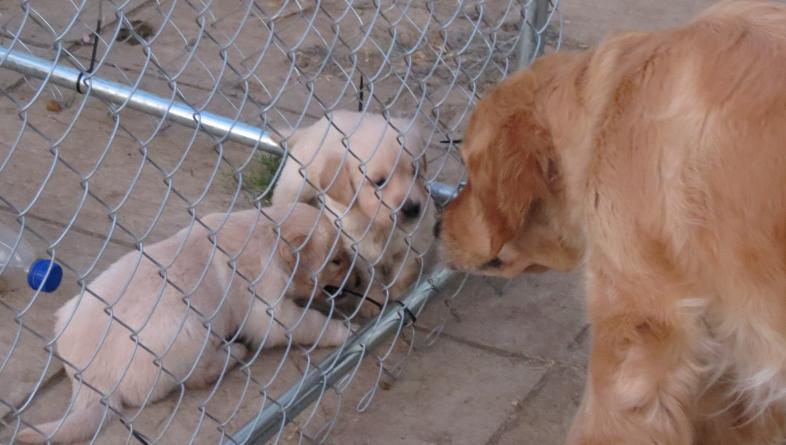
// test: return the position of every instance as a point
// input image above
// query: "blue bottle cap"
(37, 278)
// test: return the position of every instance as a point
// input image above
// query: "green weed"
(258, 176)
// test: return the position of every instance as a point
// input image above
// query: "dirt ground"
(93, 181)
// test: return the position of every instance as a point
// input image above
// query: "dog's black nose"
(437, 228)
(411, 209)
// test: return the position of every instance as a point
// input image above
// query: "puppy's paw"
(368, 310)
(337, 333)
(238, 352)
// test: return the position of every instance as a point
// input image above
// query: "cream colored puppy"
(187, 333)
(370, 180)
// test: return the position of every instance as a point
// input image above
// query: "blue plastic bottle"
(18, 262)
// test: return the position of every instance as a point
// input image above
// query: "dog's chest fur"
(749, 358)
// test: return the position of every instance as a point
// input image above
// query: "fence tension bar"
(174, 111)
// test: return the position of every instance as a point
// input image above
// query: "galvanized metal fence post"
(531, 42)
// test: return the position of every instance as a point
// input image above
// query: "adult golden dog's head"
(511, 216)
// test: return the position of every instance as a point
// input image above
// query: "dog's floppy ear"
(505, 162)
(335, 180)
(295, 249)
(291, 247)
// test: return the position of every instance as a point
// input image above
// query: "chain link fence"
(156, 150)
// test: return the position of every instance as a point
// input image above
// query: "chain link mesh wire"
(142, 131)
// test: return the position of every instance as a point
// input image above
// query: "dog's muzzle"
(411, 209)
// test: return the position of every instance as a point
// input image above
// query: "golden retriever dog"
(182, 300)
(369, 173)
(658, 161)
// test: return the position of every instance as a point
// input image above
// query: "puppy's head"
(509, 217)
(312, 251)
(380, 175)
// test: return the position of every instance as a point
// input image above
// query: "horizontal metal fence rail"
(174, 111)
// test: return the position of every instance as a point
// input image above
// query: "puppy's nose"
(437, 228)
(411, 209)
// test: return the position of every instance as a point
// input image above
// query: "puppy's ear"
(508, 149)
(335, 180)
(291, 248)
(296, 249)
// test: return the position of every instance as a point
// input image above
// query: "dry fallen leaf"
(140, 27)
(53, 106)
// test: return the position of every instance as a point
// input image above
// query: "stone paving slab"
(448, 394)
(544, 415)
(536, 315)
(587, 22)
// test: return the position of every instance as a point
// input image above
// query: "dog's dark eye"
(380, 182)
(336, 261)
(493, 264)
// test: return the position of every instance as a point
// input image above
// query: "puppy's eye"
(337, 261)
(380, 182)
(493, 264)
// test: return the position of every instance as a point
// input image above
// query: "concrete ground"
(508, 367)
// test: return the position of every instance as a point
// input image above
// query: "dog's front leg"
(313, 327)
(645, 368)
(275, 326)
(725, 419)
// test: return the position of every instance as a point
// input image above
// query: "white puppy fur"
(373, 184)
(307, 256)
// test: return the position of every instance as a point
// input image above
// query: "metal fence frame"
(269, 422)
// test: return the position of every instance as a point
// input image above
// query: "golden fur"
(659, 161)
